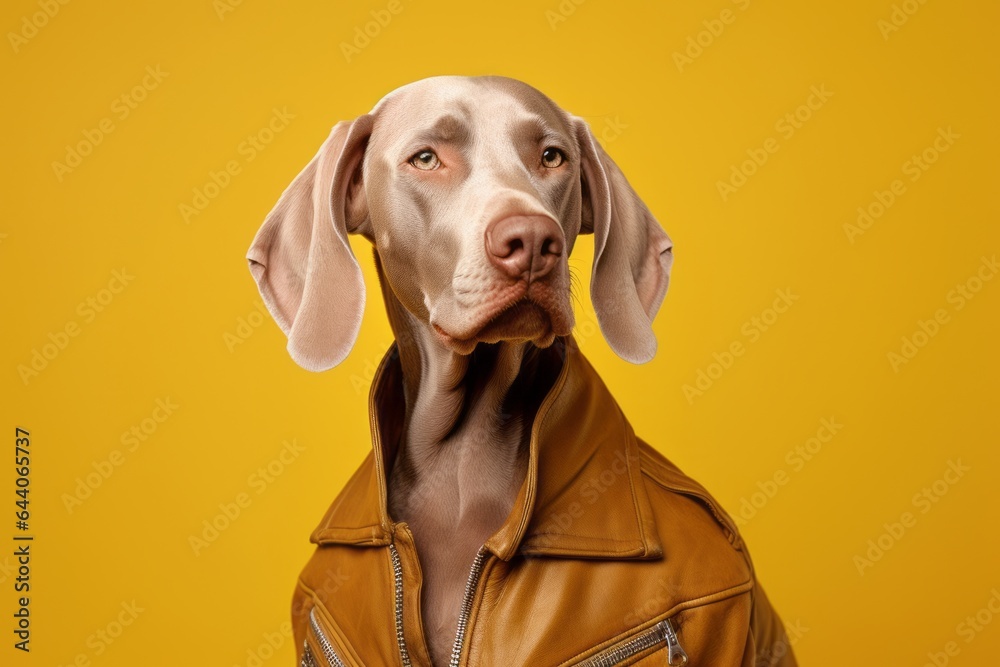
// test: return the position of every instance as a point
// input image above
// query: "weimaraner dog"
(473, 191)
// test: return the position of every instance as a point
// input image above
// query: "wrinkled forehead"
(467, 109)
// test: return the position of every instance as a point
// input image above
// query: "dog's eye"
(426, 160)
(552, 157)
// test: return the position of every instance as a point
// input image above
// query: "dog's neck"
(454, 399)
(467, 417)
(462, 455)
(464, 436)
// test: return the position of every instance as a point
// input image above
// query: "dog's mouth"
(520, 320)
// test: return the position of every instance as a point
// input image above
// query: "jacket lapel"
(582, 496)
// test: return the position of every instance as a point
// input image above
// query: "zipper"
(675, 652)
(397, 572)
(463, 614)
(659, 633)
(308, 659)
(466, 609)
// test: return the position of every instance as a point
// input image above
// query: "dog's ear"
(632, 253)
(301, 259)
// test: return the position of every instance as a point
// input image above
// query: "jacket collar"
(583, 495)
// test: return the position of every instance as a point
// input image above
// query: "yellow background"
(679, 131)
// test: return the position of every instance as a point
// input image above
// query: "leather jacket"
(610, 556)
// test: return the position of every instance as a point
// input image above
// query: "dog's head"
(473, 191)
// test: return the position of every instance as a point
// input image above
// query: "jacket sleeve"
(767, 644)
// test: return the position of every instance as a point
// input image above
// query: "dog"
(473, 192)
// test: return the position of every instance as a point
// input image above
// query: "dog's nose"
(524, 246)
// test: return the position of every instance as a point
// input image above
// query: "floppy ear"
(301, 260)
(632, 253)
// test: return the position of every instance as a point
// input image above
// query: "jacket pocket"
(660, 637)
(319, 650)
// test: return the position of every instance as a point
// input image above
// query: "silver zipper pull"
(675, 652)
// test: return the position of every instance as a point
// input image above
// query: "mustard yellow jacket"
(611, 556)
